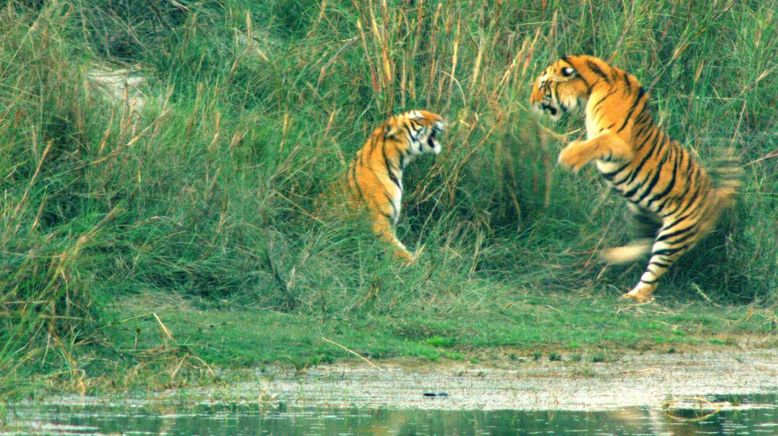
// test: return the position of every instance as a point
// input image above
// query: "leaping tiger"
(661, 180)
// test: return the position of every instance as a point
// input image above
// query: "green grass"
(252, 109)
(240, 338)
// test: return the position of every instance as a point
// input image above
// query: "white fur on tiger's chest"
(397, 200)
(591, 128)
(394, 192)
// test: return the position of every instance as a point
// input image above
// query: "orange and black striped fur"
(375, 175)
(666, 188)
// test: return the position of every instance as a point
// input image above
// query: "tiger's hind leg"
(645, 222)
(383, 229)
(646, 225)
(675, 238)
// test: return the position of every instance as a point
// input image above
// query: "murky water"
(753, 414)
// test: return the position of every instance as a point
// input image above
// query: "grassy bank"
(524, 327)
(199, 183)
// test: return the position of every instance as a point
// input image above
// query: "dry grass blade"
(330, 341)
(163, 327)
(770, 155)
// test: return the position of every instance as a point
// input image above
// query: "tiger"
(374, 177)
(671, 195)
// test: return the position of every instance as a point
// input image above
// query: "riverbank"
(164, 341)
(634, 380)
(649, 380)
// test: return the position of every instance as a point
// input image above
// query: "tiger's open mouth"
(550, 109)
(554, 110)
(432, 141)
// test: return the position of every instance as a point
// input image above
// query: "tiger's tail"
(629, 253)
(726, 174)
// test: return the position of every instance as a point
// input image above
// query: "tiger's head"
(418, 130)
(561, 88)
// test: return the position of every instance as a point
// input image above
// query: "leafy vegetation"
(200, 180)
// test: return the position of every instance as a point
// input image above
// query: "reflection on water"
(755, 414)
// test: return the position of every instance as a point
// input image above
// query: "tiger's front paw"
(573, 157)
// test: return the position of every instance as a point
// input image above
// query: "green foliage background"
(252, 110)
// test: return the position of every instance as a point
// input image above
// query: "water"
(753, 414)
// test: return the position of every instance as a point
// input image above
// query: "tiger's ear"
(390, 130)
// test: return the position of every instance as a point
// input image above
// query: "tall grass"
(252, 109)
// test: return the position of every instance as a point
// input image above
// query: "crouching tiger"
(374, 177)
(664, 185)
